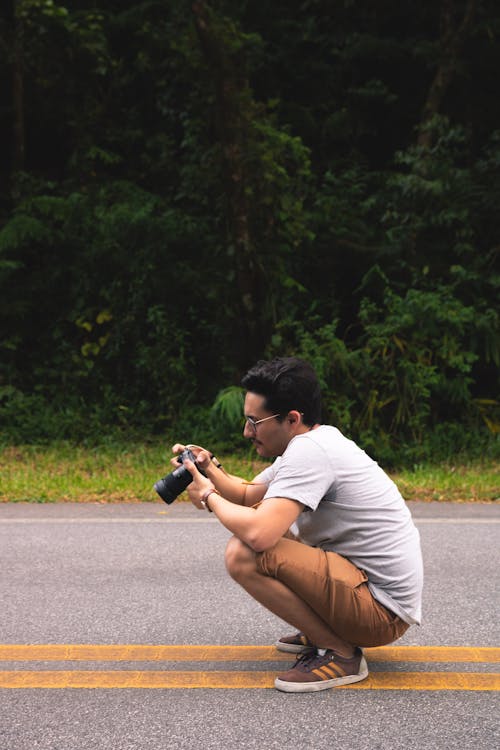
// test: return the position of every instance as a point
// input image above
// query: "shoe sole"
(315, 687)
(291, 648)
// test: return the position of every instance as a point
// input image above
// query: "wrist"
(210, 466)
(205, 496)
(215, 461)
(214, 472)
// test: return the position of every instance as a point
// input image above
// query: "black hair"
(287, 383)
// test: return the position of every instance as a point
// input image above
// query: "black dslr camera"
(173, 484)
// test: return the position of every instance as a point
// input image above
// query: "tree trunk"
(18, 102)
(234, 112)
(18, 130)
(453, 35)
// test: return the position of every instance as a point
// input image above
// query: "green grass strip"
(126, 473)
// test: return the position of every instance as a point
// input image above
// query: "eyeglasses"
(254, 422)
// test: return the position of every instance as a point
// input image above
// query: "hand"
(203, 457)
(198, 486)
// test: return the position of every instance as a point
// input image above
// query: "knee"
(239, 558)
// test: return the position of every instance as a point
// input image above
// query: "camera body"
(171, 486)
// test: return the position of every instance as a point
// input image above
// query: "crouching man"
(322, 537)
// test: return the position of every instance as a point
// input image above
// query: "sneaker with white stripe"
(320, 669)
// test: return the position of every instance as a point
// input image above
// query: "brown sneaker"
(313, 671)
(294, 644)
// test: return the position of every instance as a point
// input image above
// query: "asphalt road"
(152, 574)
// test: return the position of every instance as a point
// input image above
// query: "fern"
(228, 406)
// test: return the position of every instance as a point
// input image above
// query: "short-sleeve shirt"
(355, 510)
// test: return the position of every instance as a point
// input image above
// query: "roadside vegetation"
(187, 188)
(126, 473)
(190, 187)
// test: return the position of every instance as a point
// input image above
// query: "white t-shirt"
(357, 511)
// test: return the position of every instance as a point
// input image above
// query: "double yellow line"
(147, 678)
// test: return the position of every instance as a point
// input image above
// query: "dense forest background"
(188, 187)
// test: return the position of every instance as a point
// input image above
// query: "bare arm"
(260, 528)
(233, 488)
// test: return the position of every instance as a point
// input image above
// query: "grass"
(62, 472)
(478, 481)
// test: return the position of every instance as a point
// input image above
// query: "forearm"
(260, 528)
(239, 520)
(231, 487)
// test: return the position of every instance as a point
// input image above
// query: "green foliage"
(32, 418)
(409, 372)
(416, 359)
(90, 325)
(192, 197)
(226, 415)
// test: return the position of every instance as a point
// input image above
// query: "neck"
(307, 428)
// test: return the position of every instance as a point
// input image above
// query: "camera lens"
(173, 484)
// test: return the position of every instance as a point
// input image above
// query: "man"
(321, 538)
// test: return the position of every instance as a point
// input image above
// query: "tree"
(456, 24)
(197, 186)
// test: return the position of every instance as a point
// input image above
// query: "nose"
(247, 431)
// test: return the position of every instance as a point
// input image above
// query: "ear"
(294, 417)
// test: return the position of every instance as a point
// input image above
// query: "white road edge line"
(166, 519)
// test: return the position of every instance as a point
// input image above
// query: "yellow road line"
(434, 654)
(131, 652)
(242, 680)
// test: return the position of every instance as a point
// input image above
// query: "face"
(270, 438)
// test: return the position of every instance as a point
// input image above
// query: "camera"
(176, 482)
